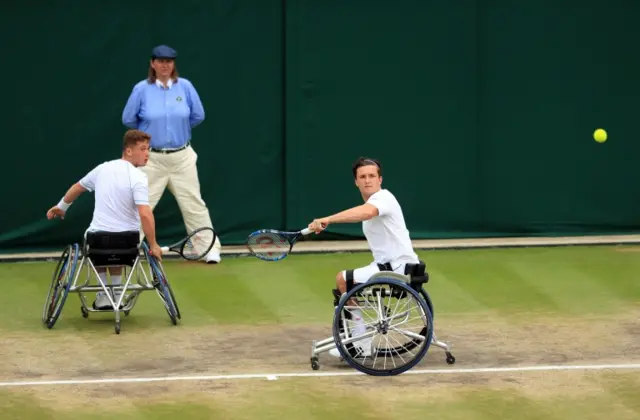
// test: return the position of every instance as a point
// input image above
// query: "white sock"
(356, 317)
(116, 280)
(103, 277)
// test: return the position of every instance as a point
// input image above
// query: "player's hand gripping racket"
(195, 245)
(273, 245)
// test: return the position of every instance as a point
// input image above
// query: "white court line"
(272, 376)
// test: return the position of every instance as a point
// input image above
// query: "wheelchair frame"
(398, 281)
(66, 279)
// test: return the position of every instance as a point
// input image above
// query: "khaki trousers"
(178, 172)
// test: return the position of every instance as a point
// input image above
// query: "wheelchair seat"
(112, 248)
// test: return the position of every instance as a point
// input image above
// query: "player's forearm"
(72, 195)
(354, 214)
(148, 226)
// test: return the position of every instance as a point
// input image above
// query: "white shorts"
(363, 274)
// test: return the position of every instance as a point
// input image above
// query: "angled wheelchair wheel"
(164, 290)
(416, 342)
(395, 331)
(173, 298)
(61, 282)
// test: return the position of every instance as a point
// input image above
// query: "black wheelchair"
(398, 322)
(140, 272)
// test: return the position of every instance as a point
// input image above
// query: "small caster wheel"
(126, 313)
(85, 313)
(314, 363)
(450, 359)
(117, 328)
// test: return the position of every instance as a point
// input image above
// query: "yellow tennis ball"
(600, 135)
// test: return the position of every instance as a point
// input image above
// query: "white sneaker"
(213, 256)
(362, 350)
(335, 353)
(102, 302)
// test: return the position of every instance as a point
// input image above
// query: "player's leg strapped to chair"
(345, 281)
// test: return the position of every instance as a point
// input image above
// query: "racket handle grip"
(165, 249)
(307, 231)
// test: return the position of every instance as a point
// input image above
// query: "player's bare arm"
(149, 228)
(353, 215)
(72, 195)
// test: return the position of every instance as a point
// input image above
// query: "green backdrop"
(481, 111)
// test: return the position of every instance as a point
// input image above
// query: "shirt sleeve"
(132, 107)
(141, 190)
(89, 180)
(195, 104)
(382, 202)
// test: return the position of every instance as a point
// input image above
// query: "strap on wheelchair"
(128, 252)
(385, 267)
(113, 240)
(112, 248)
(417, 273)
(349, 279)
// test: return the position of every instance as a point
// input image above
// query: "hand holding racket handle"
(305, 232)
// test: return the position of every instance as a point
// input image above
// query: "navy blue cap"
(163, 51)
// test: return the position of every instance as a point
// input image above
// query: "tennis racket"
(195, 245)
(273, 245)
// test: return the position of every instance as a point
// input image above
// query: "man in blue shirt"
(168, 107)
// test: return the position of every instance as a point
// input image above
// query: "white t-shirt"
(387, 233)
(119, 187)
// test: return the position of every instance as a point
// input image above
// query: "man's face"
(368, 180)
(139, 154)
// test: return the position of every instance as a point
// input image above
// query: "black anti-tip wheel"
(450, 359)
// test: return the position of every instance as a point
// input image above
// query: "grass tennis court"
(497, 307)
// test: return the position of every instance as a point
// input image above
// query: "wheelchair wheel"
(395, 332)
(60, 285)
(164, 290)
(173, 298)
(427, 300)
(405, 347)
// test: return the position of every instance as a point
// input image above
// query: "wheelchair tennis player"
(384, 227)
(121, 205)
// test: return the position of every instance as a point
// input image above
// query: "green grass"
(515, 283)
(562, 281)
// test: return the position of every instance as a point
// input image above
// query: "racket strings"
(198, 244)
(268, 245)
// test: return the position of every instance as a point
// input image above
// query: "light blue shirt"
(166, 114)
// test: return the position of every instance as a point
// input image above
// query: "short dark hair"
(365, 161)
(133, 137)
